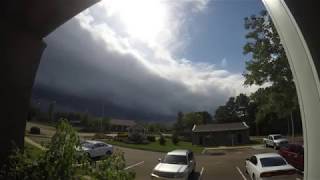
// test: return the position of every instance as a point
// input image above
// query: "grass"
(155, 146)
(32, 152)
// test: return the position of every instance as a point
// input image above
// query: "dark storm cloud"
(76, 63)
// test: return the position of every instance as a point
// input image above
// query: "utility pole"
(102, 117)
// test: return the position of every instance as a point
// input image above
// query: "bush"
(151, 138)
(162, 140)
(113, 168)
(136, 138)
(34, 130)
(175, 138)
(99, 136)
(63, 161)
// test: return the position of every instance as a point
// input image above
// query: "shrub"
(113, 168)
(162, 140)
(61, 161)
(34, 130)
(99, 136)
(175, 138)
(151, 138)
(136, 137)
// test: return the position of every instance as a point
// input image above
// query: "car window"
(253, 159)
(272, 161)
(175, 159)
(97, 145)
(87, 145)
(277, 137)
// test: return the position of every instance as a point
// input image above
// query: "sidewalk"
(30, 141)
(256, 146)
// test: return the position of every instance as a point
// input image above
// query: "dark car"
(294, 154)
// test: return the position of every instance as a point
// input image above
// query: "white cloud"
(140, 57)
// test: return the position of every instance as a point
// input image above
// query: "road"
(216, 164)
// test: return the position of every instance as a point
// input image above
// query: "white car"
(176, 165)
(275, 141)
(268, 166)
(96, 148)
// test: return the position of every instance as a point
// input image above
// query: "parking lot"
(222, 164)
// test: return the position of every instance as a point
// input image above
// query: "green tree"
(268, 65)
(62, 161)
(175, 138)
(162, 140)
(179, 125)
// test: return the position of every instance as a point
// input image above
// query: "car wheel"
(108, 153)
(275, 147)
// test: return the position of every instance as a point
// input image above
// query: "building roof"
(121, 122)
(220, 127)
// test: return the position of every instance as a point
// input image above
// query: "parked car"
(268, 166)
(177, 165)
(275, 141)
(294, 154)
(96, 148)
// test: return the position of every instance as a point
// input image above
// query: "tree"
(175, 138)
(63, 161)
(179, 125)
(234, 110)
(162, 140)
(268, 65)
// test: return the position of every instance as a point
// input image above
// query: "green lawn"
(31, 151)
(155, 146)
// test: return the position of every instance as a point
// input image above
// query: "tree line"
(274, 107)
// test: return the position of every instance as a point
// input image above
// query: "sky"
(154, 57)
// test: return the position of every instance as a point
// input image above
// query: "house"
(118, 125)
(220, 134)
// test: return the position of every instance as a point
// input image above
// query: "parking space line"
(201, 172)
(244, 178)
(204, 151)
(134, 165)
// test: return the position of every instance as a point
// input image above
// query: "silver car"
(176, 165)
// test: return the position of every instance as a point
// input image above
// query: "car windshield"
(175, 159)
(87, 145)
(277, 137)
(272, 161)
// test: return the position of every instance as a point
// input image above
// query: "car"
(294, 154)
(275, 141)
(96, 148)
(176, 165)
(268, 166)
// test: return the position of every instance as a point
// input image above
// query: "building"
(119, 125)
(220, 134)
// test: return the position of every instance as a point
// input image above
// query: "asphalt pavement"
(222, 164)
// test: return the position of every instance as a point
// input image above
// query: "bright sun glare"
(143, 19)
